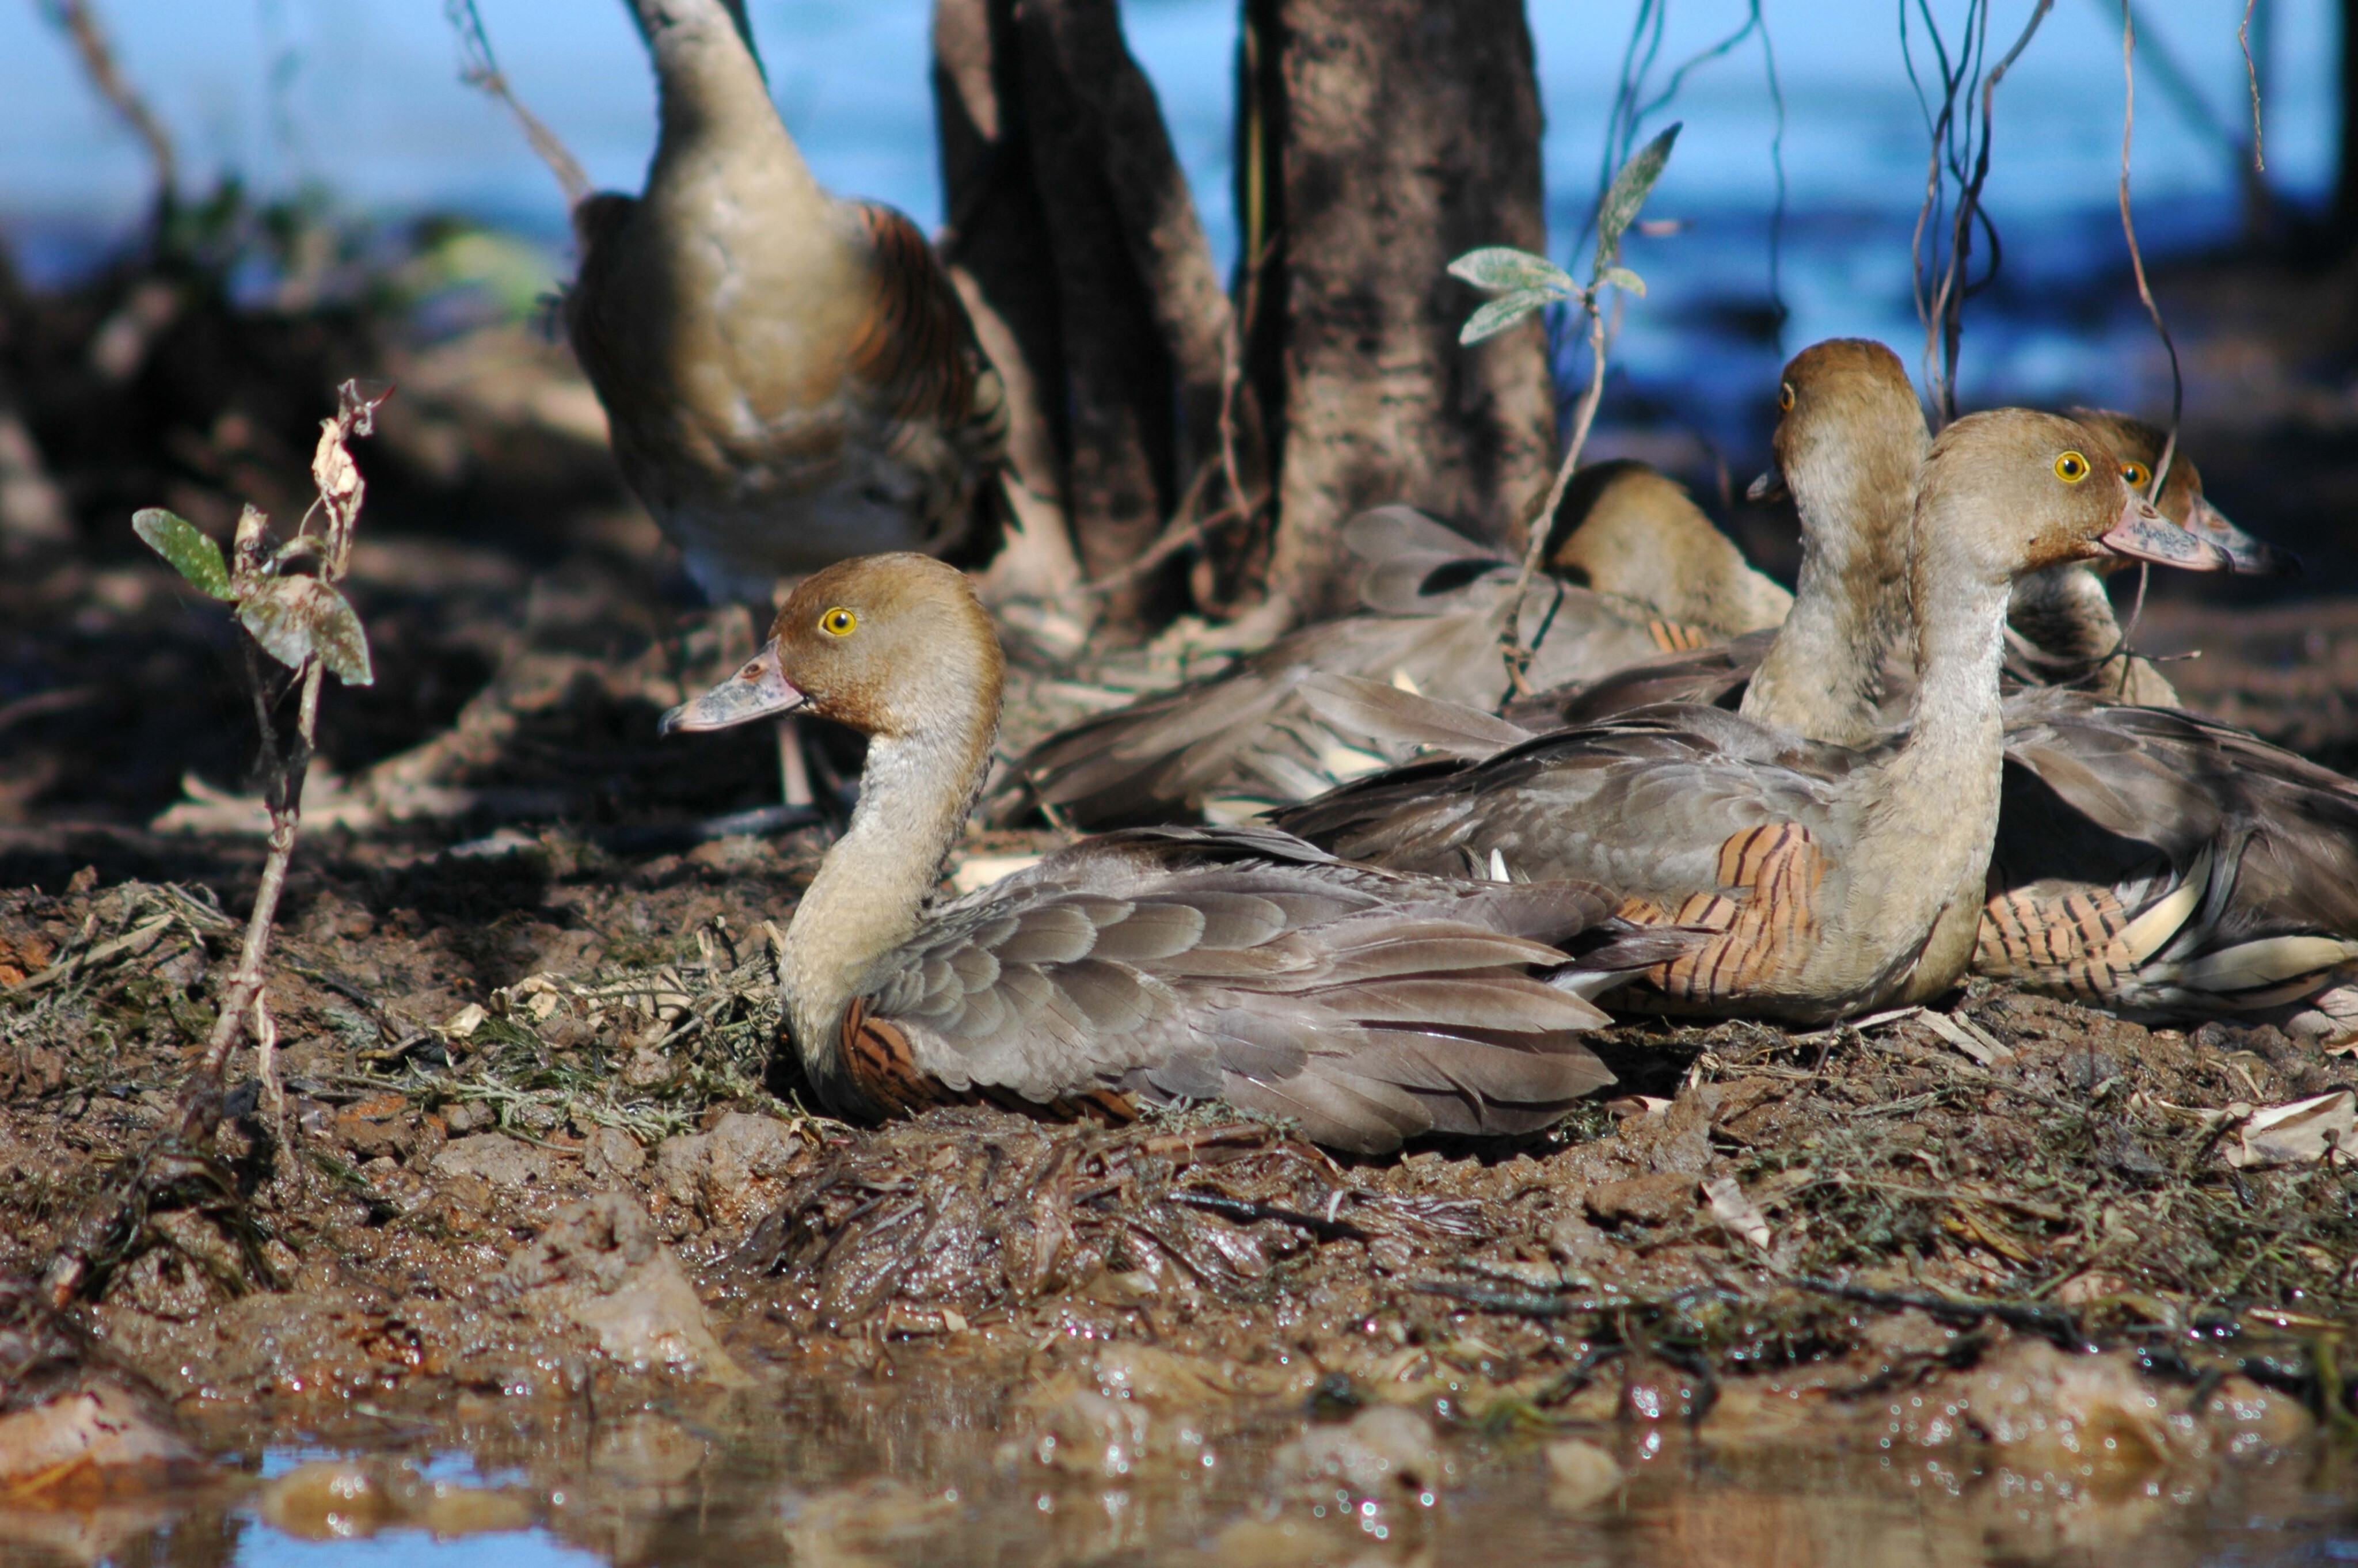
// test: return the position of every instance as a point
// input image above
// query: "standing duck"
(789, 377)
(1143, 967)
(1837, 880)
(1640, 570)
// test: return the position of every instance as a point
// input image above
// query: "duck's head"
(894, 646)
(2041, 491)
(2139, 446)
(1847, 417)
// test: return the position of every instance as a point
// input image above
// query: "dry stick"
(81, 23)
(2252, 69)
(2145, 293)
(483, 71)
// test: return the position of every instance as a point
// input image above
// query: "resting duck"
(1851, 421)
(2148, 861)
(1837, 880)
(2062, 625)
(1143, 967)
(789, 378)
(1640, 569)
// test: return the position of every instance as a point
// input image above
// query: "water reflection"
(2076, 1461)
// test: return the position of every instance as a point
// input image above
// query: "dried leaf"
(296, 617)
(2301, 1133)
(1628, 193)
(1501, 314)
(1503, 269)
(1736, 1211)
(184, 548)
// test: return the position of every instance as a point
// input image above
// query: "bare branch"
(481, 70)
(79, 21)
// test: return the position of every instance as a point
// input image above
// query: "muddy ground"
(2011, 1279)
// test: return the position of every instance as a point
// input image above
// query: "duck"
(2062, 625)
(2148, 861)
(1850, 418)
(1639, 569)
(1150, 966)
(1837, 879)
(788, 376)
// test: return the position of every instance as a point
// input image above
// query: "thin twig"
(80, 22)
(2153, 310)
(2252, 71)
(1518, 654)
(481, 70)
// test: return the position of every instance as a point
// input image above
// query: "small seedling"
(303, 622)
(1524, 283)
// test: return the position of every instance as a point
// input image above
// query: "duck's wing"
(1641, 805)
(2158, 862)
(914, 349)
(1176, 964)
(1713, 676)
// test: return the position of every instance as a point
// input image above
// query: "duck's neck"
(717, 117)
(869, 894)
(1917, 866)
(1824, 676)
(2066, 614)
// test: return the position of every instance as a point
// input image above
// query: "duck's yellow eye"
(1785, 396)
(2138, 474)
(2070, 468)
(838, 623)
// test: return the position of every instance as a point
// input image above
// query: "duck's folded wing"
(1714, 676)
(2105, 790)
(1179, 965)
(1642, 805)
(914, 347)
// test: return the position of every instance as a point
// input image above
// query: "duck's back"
(1176, 964)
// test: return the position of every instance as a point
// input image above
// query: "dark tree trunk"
(1393, 136)
(1082, 248)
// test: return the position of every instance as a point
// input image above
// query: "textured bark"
(1394, 135)
(997, 251)
(1080, 241)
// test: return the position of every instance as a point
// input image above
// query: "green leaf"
(187, 550)
(1622, 277)
(1504, 312)
(295, 618)
(1503, 269)
(1628, 193)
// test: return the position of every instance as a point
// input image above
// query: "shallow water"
(925, 1468)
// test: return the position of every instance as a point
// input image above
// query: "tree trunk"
(1081, 248)
(1393, 136)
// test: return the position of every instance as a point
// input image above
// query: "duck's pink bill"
(2255, 556)
(758, 691)
(2143, 534)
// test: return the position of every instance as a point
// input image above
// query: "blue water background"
(360, 98)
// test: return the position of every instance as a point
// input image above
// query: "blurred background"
(349, 206)
(357, 105)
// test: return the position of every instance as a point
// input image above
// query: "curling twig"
(2153, 310)
(481, 71)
